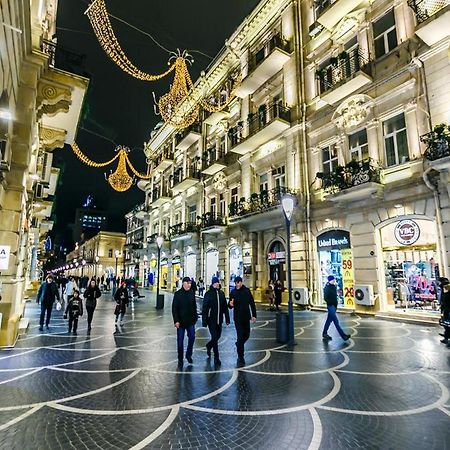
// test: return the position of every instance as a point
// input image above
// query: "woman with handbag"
(91, 294)
(122, 299)
(445, 313)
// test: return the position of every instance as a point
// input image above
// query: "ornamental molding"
(50, 93)
(51, 110)
(219, 182)
(52, 138)
(353, 111)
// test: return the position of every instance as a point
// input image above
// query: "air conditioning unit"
(300, 295)
(364, 295)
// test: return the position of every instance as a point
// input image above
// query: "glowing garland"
(120, 180)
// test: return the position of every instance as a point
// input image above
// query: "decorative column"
(373, 140)
(412, 129)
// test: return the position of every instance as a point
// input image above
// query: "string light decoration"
(120, 180)
(98, 16)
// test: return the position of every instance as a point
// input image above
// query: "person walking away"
(241, 300)
(74, 310)
(278, 291)
(70, 287)
(47, 294)
(330, 297)
(201, 287)
(184, 313)
(213, 310)
(194, 286)
(91, 294)
(271, 295)
(122, 300)
(445, 312)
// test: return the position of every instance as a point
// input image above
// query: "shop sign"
(407, 232)
(333, 240)
(176, 260)
(5, 251)
(164, 262)
(348, 278)
(275, 258)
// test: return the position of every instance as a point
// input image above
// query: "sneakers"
(189, 359)
(326, 337)
(208, 351)
(347, 337)
(41, 328)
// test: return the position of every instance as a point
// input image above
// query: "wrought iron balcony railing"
(256, 122)
(342, 68)
(276, 41)
(165, 154)
(159, 192)
(212, 156)
(183, 228)
(437, 142)
(179, 176)
(259, 202)
(424, 9)
(355, 173)
(64, 59)
(210, 219)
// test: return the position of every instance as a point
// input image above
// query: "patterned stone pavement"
(386, 388)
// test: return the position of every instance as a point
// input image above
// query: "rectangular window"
(279, 176)
(213, 206)
(329, 159)
(177, 218)
(395, 140)
(222, 205)
(165, 227)
(222, 145)
(359, 150)
(192, 214)
(156, 228)
(110, 253)
(264, 182)
(384, 34)
(234, 195)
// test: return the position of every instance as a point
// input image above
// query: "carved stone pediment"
(352, 112)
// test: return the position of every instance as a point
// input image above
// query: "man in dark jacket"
(330, 297)
(47, 294)
(445, 308)
(241, 299)
(122, 299)
(184, 313)
(214, 308)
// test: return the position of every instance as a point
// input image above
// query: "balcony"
(151, 240)
(64, 59)
(433, 18)
(140, 211)
(188, 137)
(212, 223)
(258, 203)
(214, 161)
(183, 181)
(183, 231)
(259, 128)
(438, 147)
(345, 75)
(264, 64)
(159, 197)
(358, 180)
(163, 161)
(331, 12)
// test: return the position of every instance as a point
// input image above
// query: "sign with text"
(4, 256)
(348, 278)
(407, 232)
(333, 240)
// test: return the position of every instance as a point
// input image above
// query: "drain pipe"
(443, 254)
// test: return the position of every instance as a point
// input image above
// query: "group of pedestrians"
(214, 313)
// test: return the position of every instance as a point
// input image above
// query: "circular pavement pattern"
(120, 388)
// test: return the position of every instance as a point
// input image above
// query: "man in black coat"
(214, 308)
(184, 313)
(445, 308)
(47, 294)
(241, 299)
(330, 297)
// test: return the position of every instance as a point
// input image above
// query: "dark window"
(384, 34)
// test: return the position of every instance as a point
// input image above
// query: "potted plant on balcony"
(437, 142)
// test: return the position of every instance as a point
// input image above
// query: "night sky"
(121, 107)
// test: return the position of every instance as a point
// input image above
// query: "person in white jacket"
(70, 287)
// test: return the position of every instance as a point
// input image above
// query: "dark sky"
(121, 107)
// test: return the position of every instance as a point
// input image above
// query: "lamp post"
(288, 203)
(159, 243)
(116, 254)
(96, 264)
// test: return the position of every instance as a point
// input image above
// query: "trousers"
(45, 308)
(332, 317)
(73, 321)
(242, 333)
(215, 330)
(90, 313)
(180, 341)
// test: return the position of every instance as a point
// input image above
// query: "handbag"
(58, 306)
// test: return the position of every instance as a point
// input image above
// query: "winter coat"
(243, 303)
(74, 307)
(48, 293)
(184, 308)
(91, 295)
(330, 295)
(214, 308)
(122, 299)
(445, 303)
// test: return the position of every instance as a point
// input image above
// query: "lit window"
(359, 149)
(384, 34)
(395, 140)
(329, 159)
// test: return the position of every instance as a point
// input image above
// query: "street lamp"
(159, 300)
(96, 264)
(288, 203)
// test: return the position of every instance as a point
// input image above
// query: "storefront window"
(335, 259)
(236, 264)
(191, 266)
(177, 271)
(212, 265)
(411, 264)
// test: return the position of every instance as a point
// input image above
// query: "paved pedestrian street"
(386, 388)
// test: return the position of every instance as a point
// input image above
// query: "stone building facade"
(42, 88)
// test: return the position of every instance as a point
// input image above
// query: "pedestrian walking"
(241, 300)
(271, 295)
(184, 313)
(445, 311)
(193, 286)
(91, 294)
(73, 311)
(70, 287)
(47, 294)
(201, 287)
(330, 296)
(122, 300)
(213, 310)
(278, 292)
